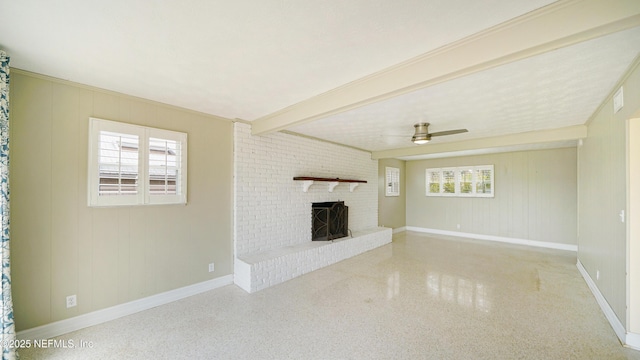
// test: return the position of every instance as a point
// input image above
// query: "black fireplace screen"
(330, 220)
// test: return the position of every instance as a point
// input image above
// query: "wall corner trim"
(399, 230)
(101, 316)
(615, 323)
(543, 244)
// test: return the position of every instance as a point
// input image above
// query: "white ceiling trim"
(495, 150)
(532, 34)
(568, 133)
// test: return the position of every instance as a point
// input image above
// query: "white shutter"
(449, 181)
(434, 181)
(167, 167)
(484, 181)
(465, 181)
(118, 164)
(392, 181)
(115, 166)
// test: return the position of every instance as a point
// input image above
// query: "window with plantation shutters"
(484, 180)
(392, 181)
(433, 181)
(163, 166)
(135, 165)
(465, 181)
(473, 181)
(448, 181)
(118, 171)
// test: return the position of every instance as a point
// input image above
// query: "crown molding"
(114, 93)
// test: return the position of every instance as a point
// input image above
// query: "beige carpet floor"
(421, 297)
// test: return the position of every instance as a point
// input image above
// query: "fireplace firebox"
(330, 220)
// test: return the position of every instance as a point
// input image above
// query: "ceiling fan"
(422, 135)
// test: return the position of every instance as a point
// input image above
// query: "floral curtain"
(6, 316)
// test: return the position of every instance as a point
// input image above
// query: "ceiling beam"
(531, 137)
(558, 25)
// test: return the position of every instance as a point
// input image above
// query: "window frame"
(428, 181)
(443, 182)
(392, 181)
(458, 183)
(492, 182)
(143, 196)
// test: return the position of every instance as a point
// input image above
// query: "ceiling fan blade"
(449, 132)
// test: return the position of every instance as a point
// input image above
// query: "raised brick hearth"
(257, 271)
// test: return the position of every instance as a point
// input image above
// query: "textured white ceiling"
(236, 59)
(556, 89)
(247, 59)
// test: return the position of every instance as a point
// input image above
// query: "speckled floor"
(421, 297)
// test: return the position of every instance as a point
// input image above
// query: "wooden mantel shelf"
(333, 182)
(307, 178)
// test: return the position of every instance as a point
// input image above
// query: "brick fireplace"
(272, 220)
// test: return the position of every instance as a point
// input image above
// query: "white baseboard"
(535, 243)
(615, 323)
(97, 317)
(399, 230)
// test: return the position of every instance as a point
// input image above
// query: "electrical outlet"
(71, 301)
(212, 267)
(597, 274)
(458, 226)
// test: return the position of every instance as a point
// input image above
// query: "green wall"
(106, 256)
(602, 236)
(392, 209)
(535, 197)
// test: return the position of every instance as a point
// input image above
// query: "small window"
(449, 181)
(433, 181)
(136, 165)
(484, 180)
(465, 181)
(392, 181)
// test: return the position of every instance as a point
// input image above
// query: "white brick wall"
(261, 270)
(271, 210)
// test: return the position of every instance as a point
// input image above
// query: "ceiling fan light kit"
(422, 136)
(420, 141)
